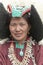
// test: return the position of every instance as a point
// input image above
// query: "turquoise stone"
(18, 11)
(19, 46)
(21, 53)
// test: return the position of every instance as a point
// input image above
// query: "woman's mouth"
(18, 35)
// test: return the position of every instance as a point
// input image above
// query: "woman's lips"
(18, 34)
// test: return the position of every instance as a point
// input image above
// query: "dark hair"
(36, 30)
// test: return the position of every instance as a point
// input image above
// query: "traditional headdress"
(18, 11)
(36, 24)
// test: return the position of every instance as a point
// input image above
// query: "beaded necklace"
(28, 54)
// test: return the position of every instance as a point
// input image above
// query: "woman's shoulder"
(2, 41)
(38, 45)
(3, 52)
(4, 46)
(39, 53)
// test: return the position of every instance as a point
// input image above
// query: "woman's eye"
(13, 24)
(22, 24)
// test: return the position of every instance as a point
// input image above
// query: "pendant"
(21, 53)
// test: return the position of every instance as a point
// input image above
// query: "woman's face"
(19, 28)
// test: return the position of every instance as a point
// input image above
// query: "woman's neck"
(21, 41)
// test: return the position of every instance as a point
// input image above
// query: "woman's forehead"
(18, 19)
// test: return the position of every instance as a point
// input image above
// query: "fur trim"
(41, 42)
(3, 41)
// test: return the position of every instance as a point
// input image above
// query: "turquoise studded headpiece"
(18, 11)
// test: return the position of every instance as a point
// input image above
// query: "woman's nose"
(17, 28)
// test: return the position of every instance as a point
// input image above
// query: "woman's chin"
(19, 38)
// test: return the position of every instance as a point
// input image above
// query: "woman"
(22, 47)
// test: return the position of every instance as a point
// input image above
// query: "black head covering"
(37, 26)
(4, 33)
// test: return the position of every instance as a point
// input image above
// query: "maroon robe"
(4, 59)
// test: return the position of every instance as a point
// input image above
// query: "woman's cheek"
(11, 28)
